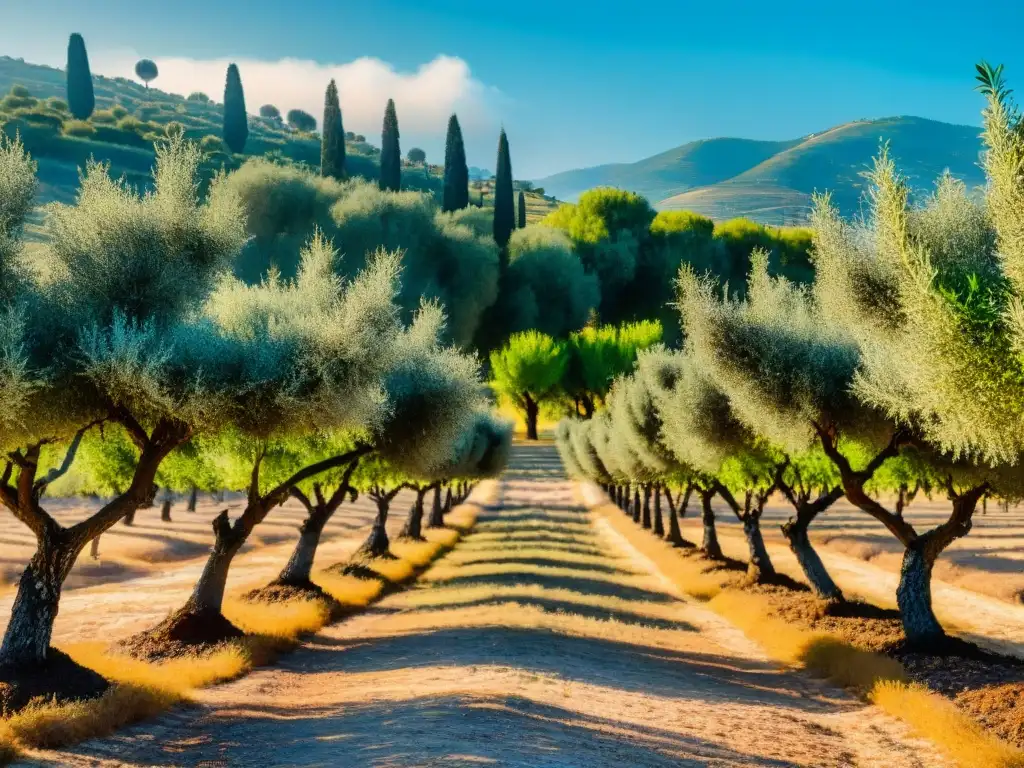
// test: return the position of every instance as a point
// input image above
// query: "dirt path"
(542, 640)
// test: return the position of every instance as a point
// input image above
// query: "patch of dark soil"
(60, 679)
(360, 570)
(278, 592)
(987, 686)
(183, 633)
(997, 707)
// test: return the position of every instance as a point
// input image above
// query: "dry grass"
(938, 719)
(287, 620)
(688, 571)
(179, 676)
(350, 591)
(43, 724)
(880, 678)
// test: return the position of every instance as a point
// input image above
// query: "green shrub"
(78, 128)
(57, 105)
(116, 135)
(147, 111)
(21, 91)
(173, 129)
(38, 117)
(130, 123)
(103, 117)
(198, 96)
(118, 112)
(211, 144)
(12, 102)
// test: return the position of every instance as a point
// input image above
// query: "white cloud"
(424, 98)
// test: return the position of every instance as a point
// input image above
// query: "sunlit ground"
(540, 640)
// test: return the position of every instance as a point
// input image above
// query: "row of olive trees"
(128, 321)
(534, 369)
(899, 367)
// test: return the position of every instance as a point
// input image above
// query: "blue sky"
(576, 83)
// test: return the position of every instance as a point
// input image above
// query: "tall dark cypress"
(332, 140)
(504, 205)
(81, 99)
(236, 121)
(456, 172)
(390, 152)
(522, 210)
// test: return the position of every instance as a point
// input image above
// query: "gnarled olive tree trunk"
(532, 412)
(377, 543)
(659, 522)
(414, 524)
(675, 536)
(319, 510)
(201, 617)
(914, 593)
(436, 509)
(26, 642)
(709, 543)
(645, 517)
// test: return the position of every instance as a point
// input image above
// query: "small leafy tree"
(270, 112)
(236, 121)
(416, 155)
(527, 370)
(114, 328)
(146, 70)
(298, 120)
(81, 99)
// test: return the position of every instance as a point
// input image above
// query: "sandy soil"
(148, 569)
(541, 640)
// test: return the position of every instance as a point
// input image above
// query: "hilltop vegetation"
(129, 118)
(772, 182)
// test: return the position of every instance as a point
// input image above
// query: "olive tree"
(302, 355)
(113, 339)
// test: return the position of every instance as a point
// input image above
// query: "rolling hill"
(130, 118)
(773, 182)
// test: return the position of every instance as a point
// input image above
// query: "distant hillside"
(773, 181)
(129, 118)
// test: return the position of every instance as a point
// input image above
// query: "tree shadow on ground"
(460, 730)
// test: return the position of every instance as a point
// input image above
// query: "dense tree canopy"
(441, 258)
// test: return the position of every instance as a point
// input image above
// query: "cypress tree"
(522, 209)
(81, 99)
(390, 153)
(236, 121)
(504, 205)
(332, 141)
(456, 172)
